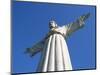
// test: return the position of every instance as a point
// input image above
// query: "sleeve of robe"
(79, 23)
(35, 48)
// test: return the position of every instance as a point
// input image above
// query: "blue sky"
(30, 24)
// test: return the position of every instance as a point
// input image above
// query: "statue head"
(52, 24)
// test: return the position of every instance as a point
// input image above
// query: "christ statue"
(55, 55)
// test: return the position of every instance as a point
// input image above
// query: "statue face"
(52, 24)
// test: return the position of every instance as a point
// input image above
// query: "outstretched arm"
(35, 49)
(79, 23)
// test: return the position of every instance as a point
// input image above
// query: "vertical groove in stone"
(45, 64)
(51, 61)
(62, 52)
(66, 56)
(59, 61)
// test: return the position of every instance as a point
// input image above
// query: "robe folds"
(55, 56)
